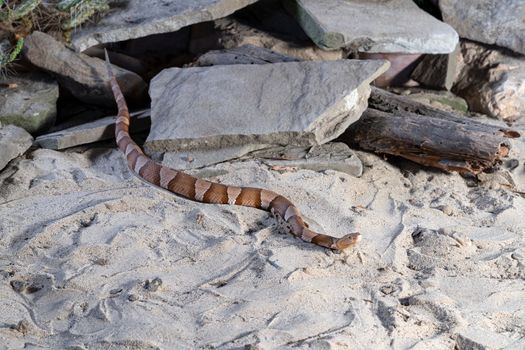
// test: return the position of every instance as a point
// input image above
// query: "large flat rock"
(246, 54)
(296, 103)
(499, 22)
(85, 77)
(138, 18)
(95, 131)
(14, 141)
(330, 156)
(373, 26)
(235, 33)
(29, 101)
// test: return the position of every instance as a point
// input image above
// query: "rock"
(334, 156)
(153, 285)
(29, 101)
(498, 22)
(492, 81)
(397, 26)
(331, 156)
(127, 62)
(267, 24)
(437, 71)
(158, 45)
(233, 33)
(203, 37)
(14, 141)
(142, 18)
(73, 113)
(85, 77)
(401, 66)
(194, 159)
(443, 100)
(98, 130)
(497, 180)
(270, 16)
(247, 54)
(481, 339)
(293, 103)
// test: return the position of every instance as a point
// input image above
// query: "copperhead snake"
(204, 191)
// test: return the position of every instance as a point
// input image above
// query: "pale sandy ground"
(83, 245)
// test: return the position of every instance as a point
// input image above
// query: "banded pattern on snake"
(204, 191)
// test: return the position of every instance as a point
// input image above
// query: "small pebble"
(18, 286)
(154, 285)
(80, 308)
(34, 287)
(427, 283)
(387, 290)
(513, 164)
(471, 181)
(22, 327)
(447, 210)
(405, 301)
(115, 291)
(133, 297)
(101, 262)
(416, 202)
(6, 274)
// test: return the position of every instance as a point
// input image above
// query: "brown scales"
(205, 191)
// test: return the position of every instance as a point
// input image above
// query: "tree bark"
(395, 125)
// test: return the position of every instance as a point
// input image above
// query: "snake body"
(204, 191)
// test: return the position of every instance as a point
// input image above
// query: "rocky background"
(258, 93)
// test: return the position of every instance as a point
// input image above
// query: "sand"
(93, 258)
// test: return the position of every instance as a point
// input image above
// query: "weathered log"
(391, 103)
(440, 140)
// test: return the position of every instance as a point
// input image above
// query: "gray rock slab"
(293, 103)
(29, 101)
(437, 71)
(14, 141)
(246, 54)
(234, 33)
(398, 26)
(482, 339)
(330, 156)
(195, 159)
(499, 22)
(85, 77)
(98, 130)
(138, 18)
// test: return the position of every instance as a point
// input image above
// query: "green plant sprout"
(18, 18)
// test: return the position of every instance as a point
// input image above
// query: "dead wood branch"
(398, 126)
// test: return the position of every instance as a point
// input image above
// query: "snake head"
(347, 241)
